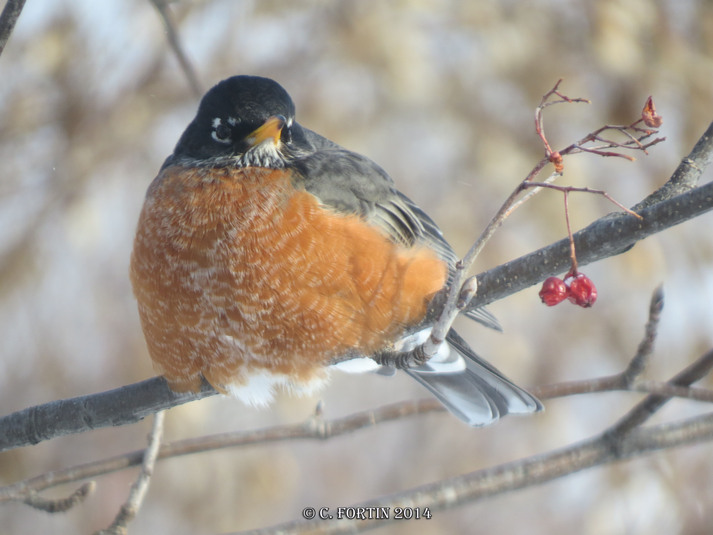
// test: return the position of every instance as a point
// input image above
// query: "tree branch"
(317, 428)
(646, 346)
(644, 410)
(175, 43)
(138, 491)
(8, 19)
(59, 505)
(475, 486)
(121, 406)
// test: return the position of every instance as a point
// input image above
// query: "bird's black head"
(243, 121)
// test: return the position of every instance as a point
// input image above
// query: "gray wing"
(479, 394)
(353, 184)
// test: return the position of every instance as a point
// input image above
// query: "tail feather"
(484, 317)
(477, 393)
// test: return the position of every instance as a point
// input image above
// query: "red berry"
(582, 291)
(553, 291)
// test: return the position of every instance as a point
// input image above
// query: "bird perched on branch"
(266, 254)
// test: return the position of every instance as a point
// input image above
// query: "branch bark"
(121, 406)
(8, 19)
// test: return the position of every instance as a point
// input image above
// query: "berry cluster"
(576, 287)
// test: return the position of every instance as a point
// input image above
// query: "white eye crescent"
(221, 133)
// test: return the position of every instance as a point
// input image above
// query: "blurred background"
(442, 95)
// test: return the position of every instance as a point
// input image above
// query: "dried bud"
(649, 115)
(557, 160)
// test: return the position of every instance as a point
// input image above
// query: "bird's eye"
(221, 134)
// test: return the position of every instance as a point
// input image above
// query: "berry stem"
(572, 252)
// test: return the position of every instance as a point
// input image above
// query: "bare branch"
(317, 428)
(175, 43)
(475, 486)
(570, 189)
(314, 428)
(59, 505)
(540, 130)
(610, 235)
(614, 383)
(129, 510)
(121, 406)
(638, 363)
(644, 410)
(687, 174)
(8, 19)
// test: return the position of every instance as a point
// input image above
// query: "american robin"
(266, 254)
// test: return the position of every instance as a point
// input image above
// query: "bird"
(267, 256)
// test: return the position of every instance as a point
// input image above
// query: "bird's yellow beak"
(270, 129)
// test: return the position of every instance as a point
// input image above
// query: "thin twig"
(59, 505)
(634, 143)
(175, 43)
(638, 363)
(8, 19)
(573, 189)
(670, 390)
(649, 406)
(532, 190)
(615, 383)
(572, 249)
(539, 127)
(138, 491)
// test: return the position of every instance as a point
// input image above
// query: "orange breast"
(242, 272)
